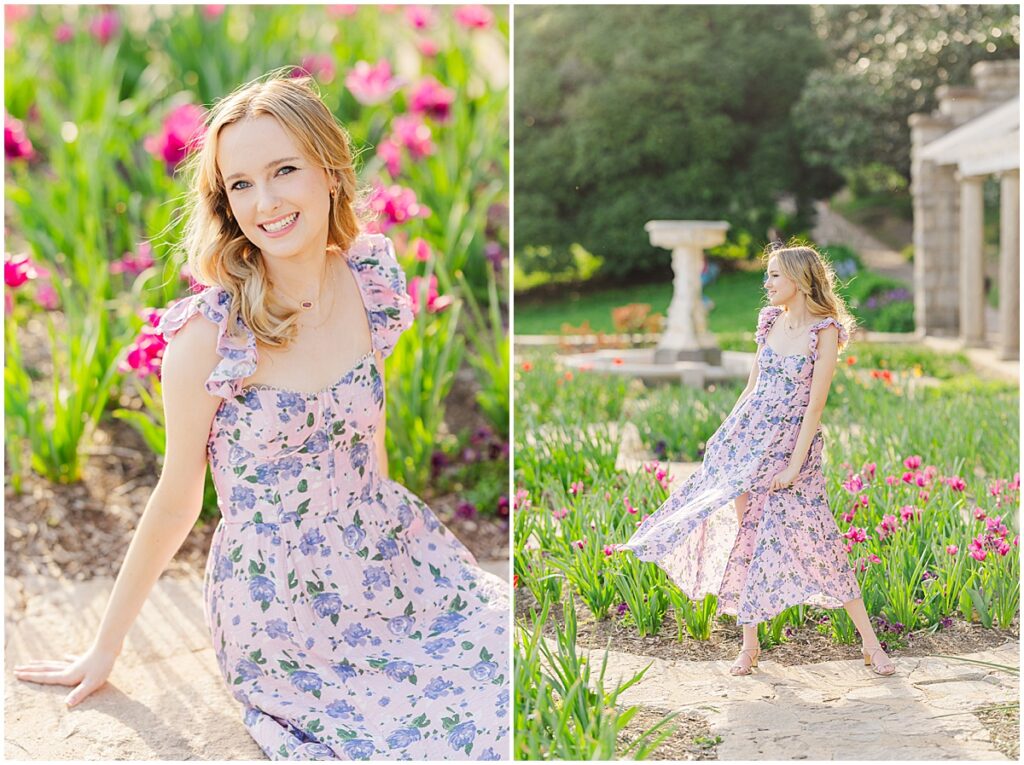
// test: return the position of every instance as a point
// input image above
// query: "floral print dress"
(347, 620)
(788, 549)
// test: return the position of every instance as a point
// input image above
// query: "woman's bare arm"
(170, 514)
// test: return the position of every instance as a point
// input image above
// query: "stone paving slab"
(837, 710)
(164, 700)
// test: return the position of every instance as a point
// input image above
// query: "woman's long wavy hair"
(814, 277)
(218, 252)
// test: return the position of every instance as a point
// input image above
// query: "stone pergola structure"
(973, 134)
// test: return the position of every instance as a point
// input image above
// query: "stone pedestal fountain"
(686, 352)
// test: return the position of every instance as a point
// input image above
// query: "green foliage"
(634, 113)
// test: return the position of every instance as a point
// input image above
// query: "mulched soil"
(690, 739)
(806, 646)
(82, 530)
(1003, 726)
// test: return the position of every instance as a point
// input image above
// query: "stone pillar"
(972, 263)
(686, 337)
(1009, 264)
(936, 198)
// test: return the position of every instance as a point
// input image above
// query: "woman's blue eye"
(234, 186)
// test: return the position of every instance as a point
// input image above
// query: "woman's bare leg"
(749, 630)
(859, 616)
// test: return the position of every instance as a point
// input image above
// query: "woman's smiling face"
(270, 182)
(780, 288)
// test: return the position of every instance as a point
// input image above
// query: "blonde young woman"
(765, 459)
(347, 620)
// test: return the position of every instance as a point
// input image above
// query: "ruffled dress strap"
(828, 321)
(383, 285)
(237, 350)
(765, 320)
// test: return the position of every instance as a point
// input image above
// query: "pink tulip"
(923, 496)
(183, 132)
(18, 269)
(414, 134)
(849, 515)
(397, 204)
(629, 508)
(421, 251)
(608, 550)
(855, 534)
(920, 479)
(390, 154)
(145, 354)
(427, 47)
(371, 85)
(912, 463)
(891, 480)
(212, 12)
(133, 264)
(105, 26)
(46, 296)
(580, 543)
(430, 97)
(869, 470)
(1015, 484)
(888, 524)
(419, 16)
(560, 513)
(521, 500)
(909, 513)
(863, 500)
(474, 16)
(956, 483)
(576, 488)
(16, 142)
(979, 514)
(854, 484)
(952, 549)
(977, 549)
(338, 11)
(874, 558)
(435, 302)
(318, 65)
(15, 12)
(931, 471)
(64, 33)
(908, 477)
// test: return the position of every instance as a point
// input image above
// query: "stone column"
(936, 208)
(686, 337)
(1009, 264)
(972, 264)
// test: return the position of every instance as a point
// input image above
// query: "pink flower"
(183, 132)
(931, 471)
(64, 33)
(371, 84)
(145, 354)
(15, 12)
(419, 16)
(337, 11)
(105, 26)
(1015, 484)
(956, 483)
(608, 550)
(863, 499)
(629, 508)
(397, 204)
(908, 477)
(874, 558)
(18, 269)
(977, 548)
(580, 543)
(909, 513)
(887, 526)
(952, 549)
(420, 250)
(390, 154)
(318, 65)
(430, 97)
(855, 534)
(891, 480)
(923, 496)
(16, 142)
(474, 16)
(46, 296)
(134, 264)
(521, 500)
(212, 12)
(854, 484)
(427, 47)
(560, 513)
(979, 514)
(576, 488)
(869, 470)
(435, 302)
(414, 134)
(920, 479)
(1003, 547)
(912, 463)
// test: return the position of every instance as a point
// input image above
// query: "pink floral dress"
(348, 621)
(788, 550)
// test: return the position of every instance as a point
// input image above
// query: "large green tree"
(886, 62)
(625, 114)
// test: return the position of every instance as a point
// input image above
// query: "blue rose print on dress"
(330, 587)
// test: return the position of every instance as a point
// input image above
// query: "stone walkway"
(837, 710)
(832, 228)
(165, 698)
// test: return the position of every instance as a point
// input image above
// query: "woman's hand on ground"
(784, 479)
(87, 672)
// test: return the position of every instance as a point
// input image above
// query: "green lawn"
(738, 297)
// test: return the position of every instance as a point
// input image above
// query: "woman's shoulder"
(765, 319)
